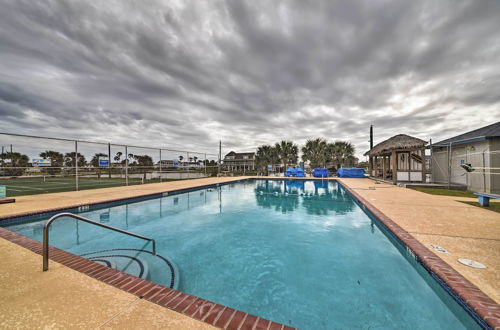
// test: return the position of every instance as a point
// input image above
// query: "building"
(471, 160)
(398, 159)
(239, 161)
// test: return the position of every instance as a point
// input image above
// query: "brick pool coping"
(229, 318)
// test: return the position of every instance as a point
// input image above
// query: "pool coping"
(480, 306)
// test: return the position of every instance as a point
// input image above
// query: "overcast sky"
(185, 74)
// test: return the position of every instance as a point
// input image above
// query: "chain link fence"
(472, 168)
(35, 165)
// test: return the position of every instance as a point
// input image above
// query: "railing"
(79, 218)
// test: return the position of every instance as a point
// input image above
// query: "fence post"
(431, 169)
(484, 173)
(205, 163)
(76, 165)
(109, 160)
(126, 166)
(449, 165)
(160, 166)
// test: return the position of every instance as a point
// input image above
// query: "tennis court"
(53, 184)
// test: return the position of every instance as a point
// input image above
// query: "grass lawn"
(444, 192)
(39, 185)
(495, 207)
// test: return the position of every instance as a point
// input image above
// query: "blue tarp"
(320, 172)
(351, 173)
(297, 172)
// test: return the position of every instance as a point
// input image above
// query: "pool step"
(140, 263)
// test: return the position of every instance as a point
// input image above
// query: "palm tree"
(316, 152)
(340, 153)
(56, 160)
(288, 152)
(118, 156)
(266, 155)
(17, 163)
(69, 159)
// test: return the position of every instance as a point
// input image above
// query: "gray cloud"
(186, 74)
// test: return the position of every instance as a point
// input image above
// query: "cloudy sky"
(185, 74)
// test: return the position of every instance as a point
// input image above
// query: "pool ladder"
(45, 251)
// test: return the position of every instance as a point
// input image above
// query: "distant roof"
(239, 155)
(400, 141)
(487, 132)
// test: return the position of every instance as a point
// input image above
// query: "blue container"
(297, 172)
(351, 173)
(320, 172)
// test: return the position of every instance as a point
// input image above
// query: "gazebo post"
(383, 167)
(424, 178)
(394, 159)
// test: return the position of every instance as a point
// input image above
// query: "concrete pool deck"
(465, 231)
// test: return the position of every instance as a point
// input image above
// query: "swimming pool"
(302, 253)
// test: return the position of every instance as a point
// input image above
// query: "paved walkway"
(63, 298)
(464, 230)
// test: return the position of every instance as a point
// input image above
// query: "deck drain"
(471, 263)
(439, 249)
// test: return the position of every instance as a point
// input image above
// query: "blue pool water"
(302, 253)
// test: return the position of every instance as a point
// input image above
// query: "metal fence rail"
(34, 164)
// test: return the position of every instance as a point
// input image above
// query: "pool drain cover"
(471, 263)
(439, 249)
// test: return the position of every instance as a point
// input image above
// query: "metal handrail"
(77, 217)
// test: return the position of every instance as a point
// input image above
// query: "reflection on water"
(316, 197)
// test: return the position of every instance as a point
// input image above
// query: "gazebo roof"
(397, 142)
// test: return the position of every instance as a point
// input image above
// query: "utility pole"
(370, 159)
(220, 157)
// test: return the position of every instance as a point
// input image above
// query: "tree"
(144, 162)
(288, 152)
(56, 160)
(266, 155)
(118, 156)
(316, 152)
(132, 157)
(69, 159)
(340, 153)
(181, 158)
(17, 163)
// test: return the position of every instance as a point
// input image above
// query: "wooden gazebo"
(400, 158)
